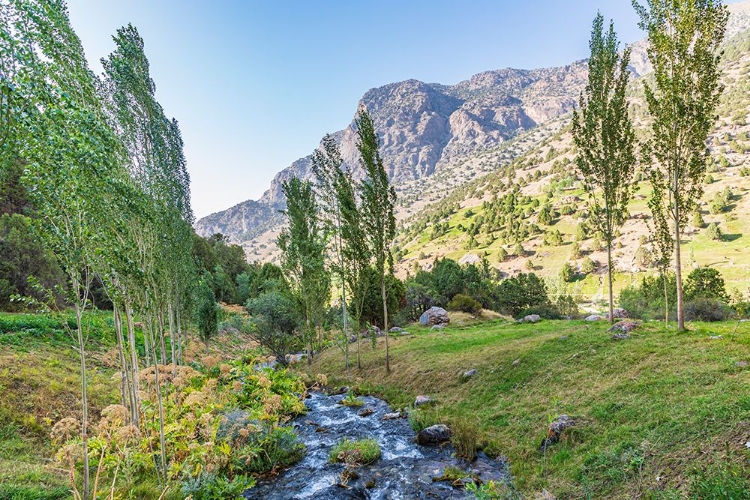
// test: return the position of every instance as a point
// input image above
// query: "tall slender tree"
(603, 134)
(303, 247)
(378, 205)
(684, 48)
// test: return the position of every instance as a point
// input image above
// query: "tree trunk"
(179, 333)
(84, 398)
(609, 279)
(172, 340)
(162, 441)
(385, 324)
(666, 300)
(678, 276)
(136, 411)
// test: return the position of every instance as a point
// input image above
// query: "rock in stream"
(405, 470)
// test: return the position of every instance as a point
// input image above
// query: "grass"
(659, 414)
(351, 452)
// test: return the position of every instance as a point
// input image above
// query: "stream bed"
(404, 471)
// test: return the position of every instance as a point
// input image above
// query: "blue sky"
(255, 85)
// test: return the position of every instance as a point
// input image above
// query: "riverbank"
(659, 415)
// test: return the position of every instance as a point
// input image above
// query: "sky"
(256, 84)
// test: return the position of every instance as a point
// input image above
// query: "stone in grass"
(423, 400)
(435, 434)
(594, 317)
(742, 364)
(468, 374)
(625, 326)
(620, 336)
(532, 318)
(396, 329)
(555, 430)
(434, 316)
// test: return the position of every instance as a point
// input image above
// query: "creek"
(405, 470)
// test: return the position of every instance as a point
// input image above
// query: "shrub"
(587, 265)
(351, 401)
(276, 317)
(566, 306)
(646, 300)
(212, 487)
(419, 298)
(705, 282)
(698, 221)
(275, 448)
(521, 292)
(713, 232)
(359, 452)
(464, 303)
(707, 309)
(567, 273)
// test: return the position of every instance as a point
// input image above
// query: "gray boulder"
(625, 326)
(555, 430)
(532, 318)
(434, 316)
(619, 313)
(468, 374)
(434, 434)
(594, 317)
(423, 400)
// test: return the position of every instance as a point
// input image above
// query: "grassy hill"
(466, 221)
(661, 415)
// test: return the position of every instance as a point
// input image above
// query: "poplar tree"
(303, 245)
(604, 137)
(378, 204)
(684, 40)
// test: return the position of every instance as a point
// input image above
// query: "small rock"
(532, 318)
(625, 326)
(321, 429)
(438, 327)
(404, 332)
(434, 316)
(594, 317)
(545, 495)
(423, 400)
(742, 364)
(391, 416)
(555, 430)
(468, 374)
(516, 362)
(365, 413)
(434, 434)
(715, 337)
(396, 329)
(562, 337)
(619, 313)
(620, 336)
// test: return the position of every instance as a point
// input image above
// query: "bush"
(514, 295)
(713, 232)
(360, 452)
(276, 317)
(464, 436)
(212, 487)
(646, 300)
(275, 448)
(705, 282)
(419, 298)
(707, 309)
(567, 273)
(464, 303)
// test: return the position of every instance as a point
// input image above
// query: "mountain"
(439, 142)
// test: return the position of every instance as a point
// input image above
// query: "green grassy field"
(661, 415)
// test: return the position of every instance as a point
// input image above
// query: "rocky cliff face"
(428, 128)
(424, 128)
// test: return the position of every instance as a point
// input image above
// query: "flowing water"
(404, 471)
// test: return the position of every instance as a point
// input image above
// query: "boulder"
(555, 430)
(434, 434)
(625, 326)
(619, 313)
(532, 318)
(396, 329)
(468, 374)
(423, 400)
(434, 316)
(594, 317)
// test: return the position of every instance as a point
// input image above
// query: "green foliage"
(720, 482)
(276, 319)
(567, 273)
(713, 232)
(212, 487)
(207, 313)
(372, 306)
(705, 282)
(461, 302)
(464, 438)
(588, 266)
(493, 490)
(520, 292)
(647, 299)
(352, 401)
(271, 450)
(684, 48)
(355, 452)
(698, 221)
(707, 309)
